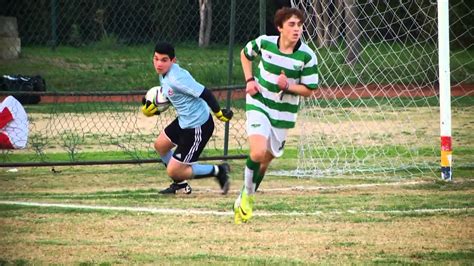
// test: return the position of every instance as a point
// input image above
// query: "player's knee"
(257, 155)
(263, 167)
(161, 149)
(171, 171)
(175, 172)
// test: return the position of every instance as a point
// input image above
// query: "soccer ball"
(155, 95)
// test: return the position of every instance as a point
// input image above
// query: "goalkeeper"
(287, 70)
(193, 127)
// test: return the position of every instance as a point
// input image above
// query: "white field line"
(227, 213)
(325, 188)
(344, 187)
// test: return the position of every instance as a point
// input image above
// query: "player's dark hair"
(285, 13)
(165, 48)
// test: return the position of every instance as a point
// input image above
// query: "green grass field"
(338, 220)
(111, 67)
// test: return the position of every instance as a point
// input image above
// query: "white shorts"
(259, 124)
(17, 129)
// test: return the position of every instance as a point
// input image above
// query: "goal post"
(385, 87)
(444, 90)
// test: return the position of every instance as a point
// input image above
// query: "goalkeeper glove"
(224, 115)
(148, 108)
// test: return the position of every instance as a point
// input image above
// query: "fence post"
(229, 72)
(54, 24)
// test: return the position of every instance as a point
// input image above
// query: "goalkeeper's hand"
(148, 108)
(224, 115)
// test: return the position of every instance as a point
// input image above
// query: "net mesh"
(377, 108)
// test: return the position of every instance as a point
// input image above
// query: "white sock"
(248, 180)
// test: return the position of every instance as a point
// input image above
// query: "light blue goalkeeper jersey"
(183, 91)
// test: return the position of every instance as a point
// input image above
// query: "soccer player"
(13, 124)
(287, 70)
(193, 127)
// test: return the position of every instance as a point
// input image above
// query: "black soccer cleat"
(223, 177)
(175, 188)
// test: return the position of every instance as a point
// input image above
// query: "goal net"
(377, 107)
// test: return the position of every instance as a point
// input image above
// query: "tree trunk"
(326, 22)
(319, 23)
(207, 34)
(352, 33)
(310, 17)
(205, 14)
(334, 31)
(310, 22)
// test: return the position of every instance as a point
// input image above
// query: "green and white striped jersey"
(301, 67)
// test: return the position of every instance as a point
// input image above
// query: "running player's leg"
(266, 143)
(257, 156)
(275, 147)
(243, 205)
(183, 164)
(263, 169)
(258, 130)
(164, 144)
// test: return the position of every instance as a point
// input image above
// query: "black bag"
(17, 83)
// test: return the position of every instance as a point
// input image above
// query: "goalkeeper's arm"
(223, 115)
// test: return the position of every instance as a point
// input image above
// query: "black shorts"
(190, 141)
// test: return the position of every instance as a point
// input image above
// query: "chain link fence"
(96, 58)
(107, 45)
(83, 22)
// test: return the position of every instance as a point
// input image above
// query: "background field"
(343, 219)
(109, 67)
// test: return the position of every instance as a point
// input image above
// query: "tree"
(328, 20)
(205, 15)
(328, 16)
(352, 32)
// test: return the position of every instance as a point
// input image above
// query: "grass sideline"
(353, 222)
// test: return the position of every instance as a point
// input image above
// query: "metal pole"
(229, 71)
(263, 12)
(54, 25)
(444, 90)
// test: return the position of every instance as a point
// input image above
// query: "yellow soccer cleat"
(243, 207)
